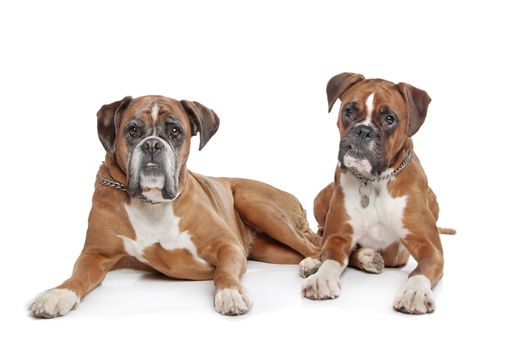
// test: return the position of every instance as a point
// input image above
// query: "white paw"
(308, 266)
(232, 302)
(371, 261)
(415, 297)
(54, 302)
(325, 283)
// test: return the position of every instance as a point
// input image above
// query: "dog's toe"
(308, 266)
(415, 297)
(232, 302)
(370, 260)
(54, 302)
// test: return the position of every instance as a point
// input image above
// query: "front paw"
(325, 283)
(54, 302)
(232, 302)
(415, 297)
(309, 266)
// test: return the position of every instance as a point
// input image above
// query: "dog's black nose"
(152, 146)
(364, 132)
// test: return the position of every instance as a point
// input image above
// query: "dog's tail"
(446, 231)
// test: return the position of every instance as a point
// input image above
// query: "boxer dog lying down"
(150, 211)
(379, 210)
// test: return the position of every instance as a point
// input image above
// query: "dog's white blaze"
(381, 223)
(369, 108)
(155, 224)
(155, 112)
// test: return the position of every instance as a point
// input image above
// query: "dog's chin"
(355, 159)
(153, 184)
(152, 179)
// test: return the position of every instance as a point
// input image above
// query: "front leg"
(230, 296)
(324, 284)
(90, 269)
(423, 243)
(337, 244)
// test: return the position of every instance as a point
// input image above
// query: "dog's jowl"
(150, 212)
(379, 210)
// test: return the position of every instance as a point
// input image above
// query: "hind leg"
(276, 213)
(434, 209)
(321, 206)
(433, 203)
(311, 264)
(395, 255)
(267, 249)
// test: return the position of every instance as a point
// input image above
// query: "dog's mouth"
(355, 153)
(359, 163)
(154, 180)
(362, 158)
(152, 170)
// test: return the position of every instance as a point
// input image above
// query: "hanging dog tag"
(365, 201)
(364, 191)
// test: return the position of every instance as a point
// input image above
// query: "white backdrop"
(263, 67)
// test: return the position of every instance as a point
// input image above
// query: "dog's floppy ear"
(108, 120)
(339, 84)
(417, 102)
(203, 120)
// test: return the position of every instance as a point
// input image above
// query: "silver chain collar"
(364, 190)
(365, 179)
(118, 186)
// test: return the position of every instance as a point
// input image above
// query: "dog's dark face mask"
(150, 139)
(375, 119)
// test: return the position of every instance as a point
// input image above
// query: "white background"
(263, 67)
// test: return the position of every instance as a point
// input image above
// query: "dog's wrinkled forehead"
(154, 110)
(373, 95)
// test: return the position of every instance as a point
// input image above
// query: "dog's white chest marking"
(381, 223)
(155, 224)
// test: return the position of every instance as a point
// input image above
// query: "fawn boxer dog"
(150, 211)
(379, 210)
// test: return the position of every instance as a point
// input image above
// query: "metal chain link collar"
(118, 186)
(365, 179)
(365, 190)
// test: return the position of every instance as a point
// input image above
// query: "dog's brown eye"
(390, 119)
(133, 131)
(347, 112)
(174, 131)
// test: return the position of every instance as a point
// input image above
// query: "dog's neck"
(110, 170)
(114, 170)
(398, 158)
